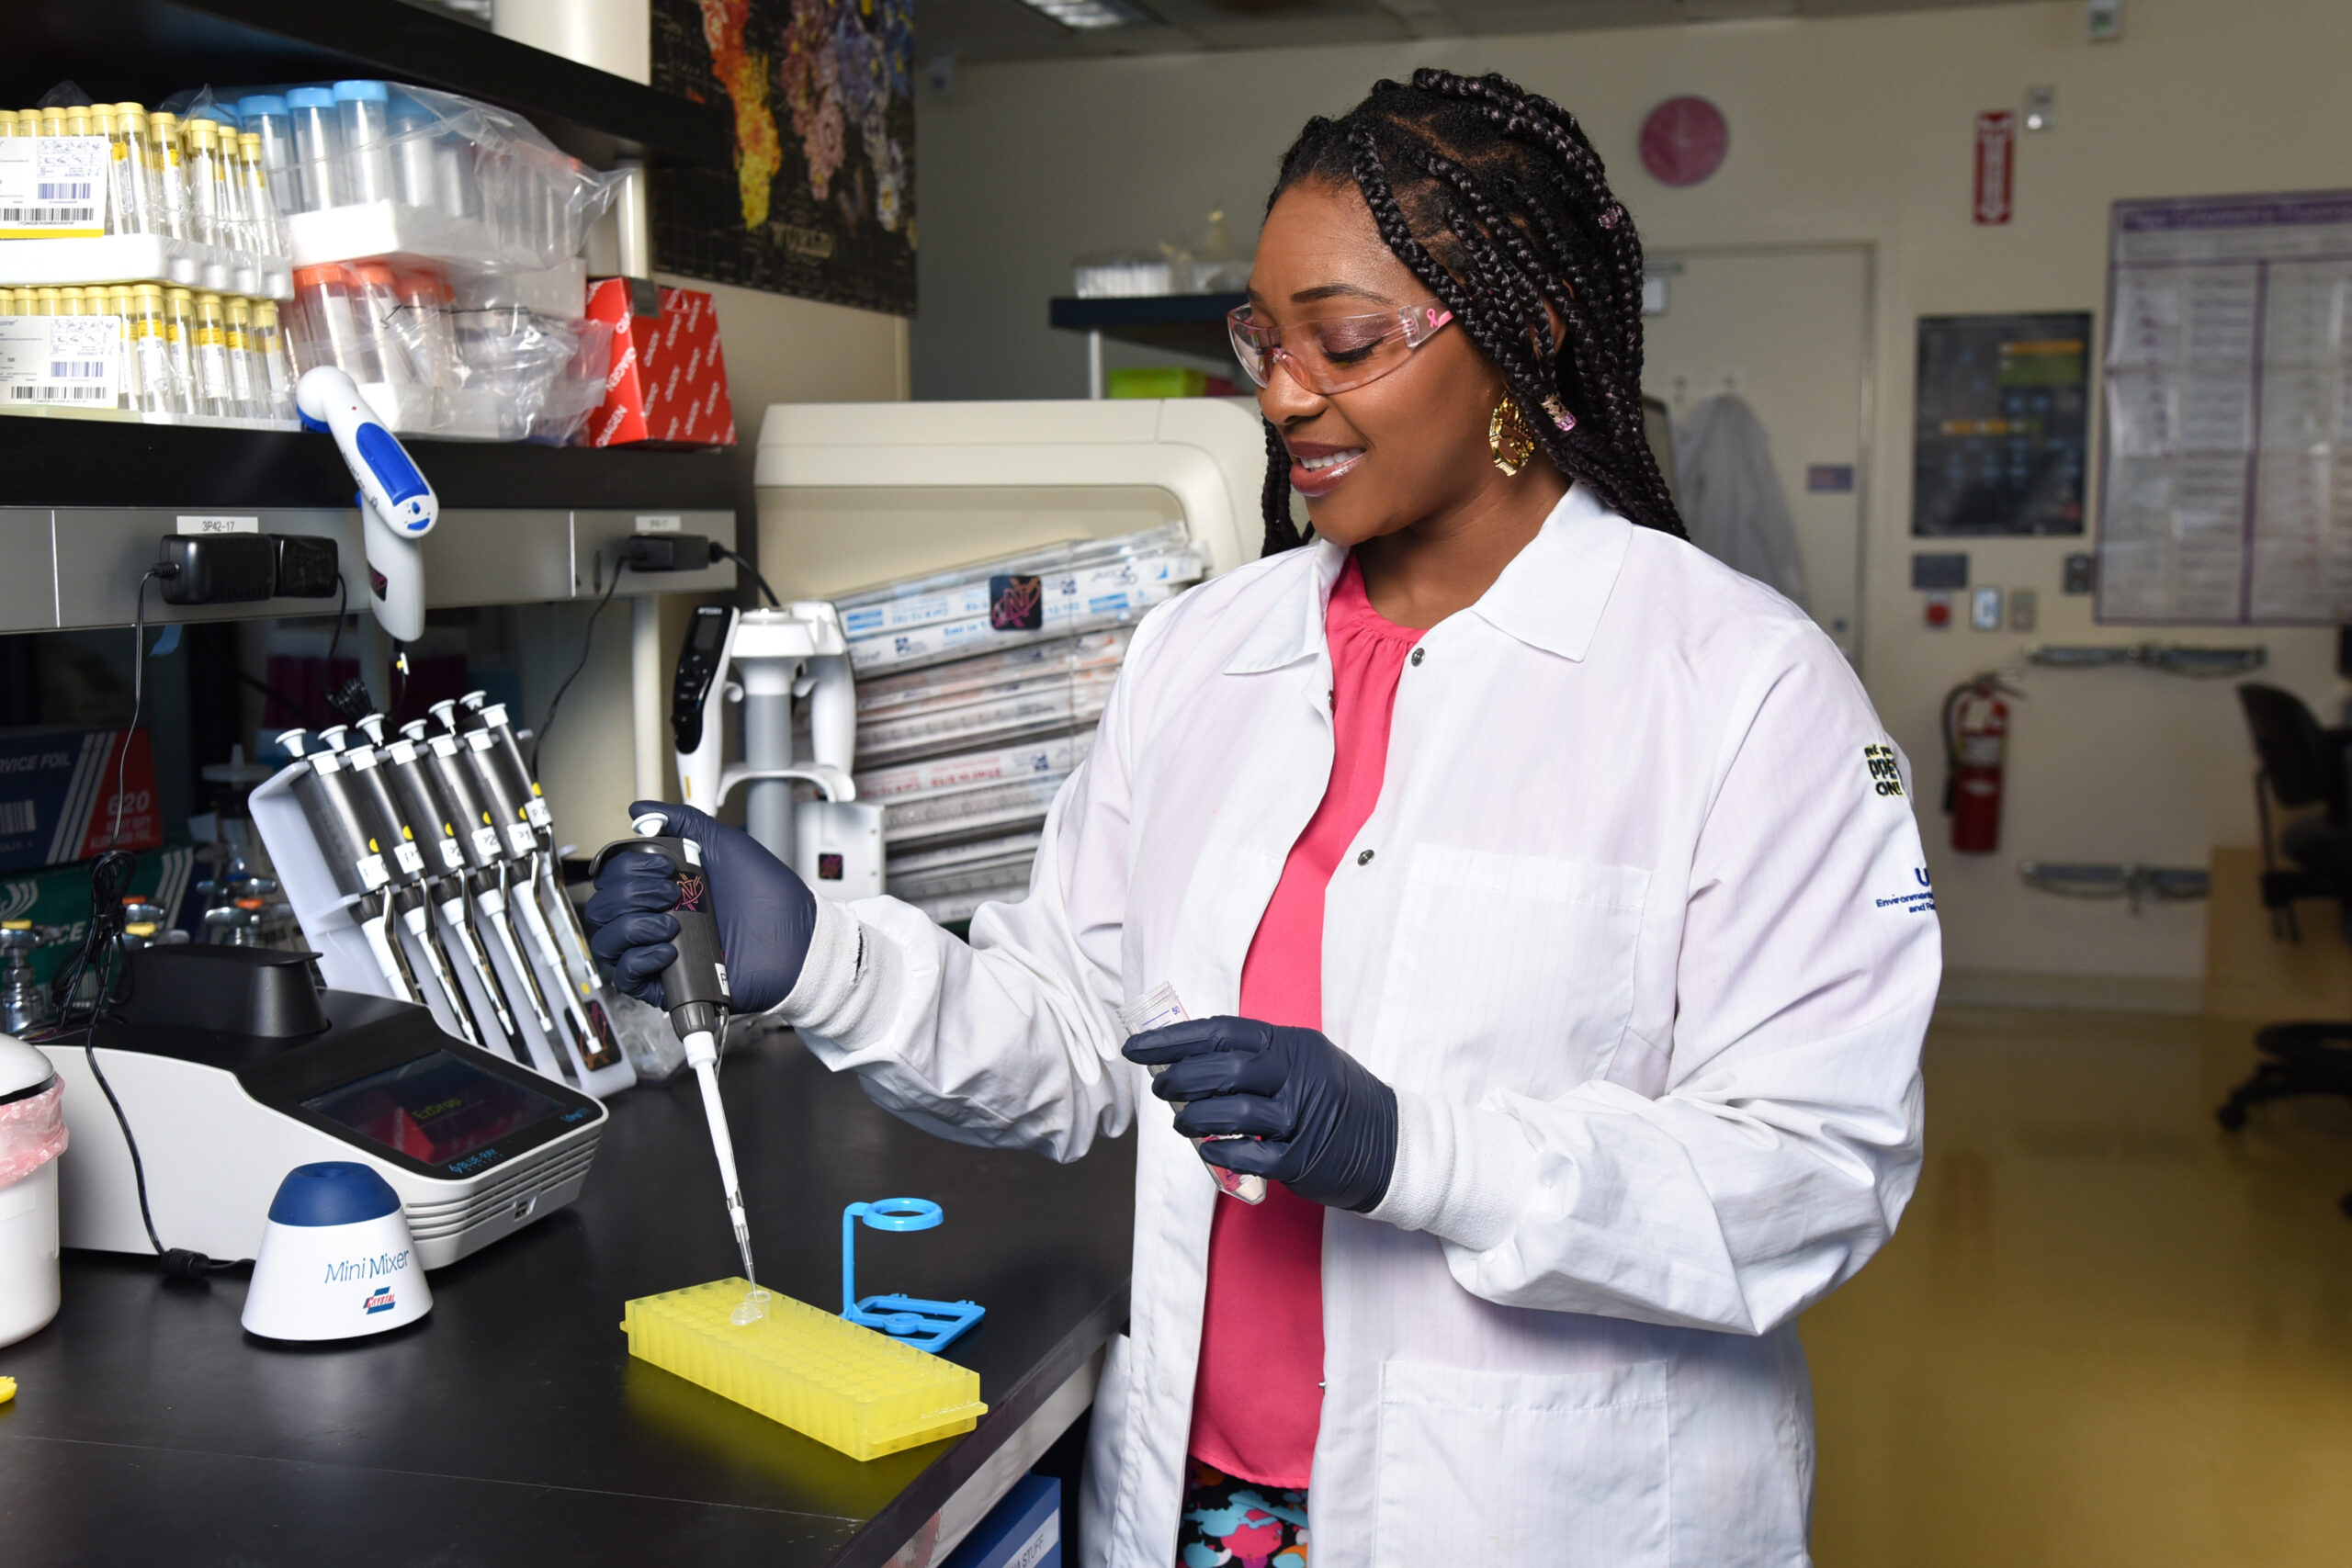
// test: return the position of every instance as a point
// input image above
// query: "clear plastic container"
(362, 112)
(1156, 1008)
(267, 116)
(168, 157)
(332, 330)
(277, 362)
(208, 186)
(318, 148)
(215, 392)
(263, 231)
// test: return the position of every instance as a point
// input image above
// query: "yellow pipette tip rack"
(848, 1387)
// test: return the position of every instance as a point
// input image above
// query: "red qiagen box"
(668, 382)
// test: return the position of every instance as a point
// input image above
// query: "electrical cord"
(719, 552)
(587, 641)
(109, 880)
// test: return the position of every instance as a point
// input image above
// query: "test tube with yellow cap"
(214, 393)
(69, 301)
(45, 302)
(134, 183)
(269, 348)
(118, 306)
(263, 231)
(167, 153)
(50, 121)
(179, 349)
(248, 382)
(150, 347)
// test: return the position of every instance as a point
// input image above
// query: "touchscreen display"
(709, 632)
(436, 1109)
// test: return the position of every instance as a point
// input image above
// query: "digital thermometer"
(397, 507)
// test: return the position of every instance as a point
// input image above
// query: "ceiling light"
(1089, 16)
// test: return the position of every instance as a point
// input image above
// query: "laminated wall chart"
(2228, 460)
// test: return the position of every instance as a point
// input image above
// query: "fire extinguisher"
(1976, 733)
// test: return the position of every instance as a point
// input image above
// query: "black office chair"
(2304, 765)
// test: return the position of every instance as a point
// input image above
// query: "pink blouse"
(1259, 1399)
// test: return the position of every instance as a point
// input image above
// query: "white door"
(1788, 330)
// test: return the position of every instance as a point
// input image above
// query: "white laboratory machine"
(231, 1069)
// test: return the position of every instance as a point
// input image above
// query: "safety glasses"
(1334, 353)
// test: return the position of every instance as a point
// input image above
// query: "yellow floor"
(2107, 1332)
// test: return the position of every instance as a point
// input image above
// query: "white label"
(411, 860)
(53, 186)
(694, 852)
(1033, 1551)
(486, 843)
(663, 523)
(220, 525)
(724, 993)
(519, 835)
(452, 856)
(372, 873)
(325, 761)
(60, 359)
(535, 811)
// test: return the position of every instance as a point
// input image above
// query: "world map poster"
(820, 202)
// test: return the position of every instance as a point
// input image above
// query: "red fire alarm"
(1684, 141)
(1939, 611)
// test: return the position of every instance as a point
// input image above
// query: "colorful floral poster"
(821, 202)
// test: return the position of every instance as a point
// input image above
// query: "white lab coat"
(1638, 933)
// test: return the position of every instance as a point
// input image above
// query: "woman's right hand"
(766, 912)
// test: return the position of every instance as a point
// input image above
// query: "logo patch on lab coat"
(1884, 774)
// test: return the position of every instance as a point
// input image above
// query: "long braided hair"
(1496, 200)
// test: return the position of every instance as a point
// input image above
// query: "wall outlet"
(1985, 609)
(2022, 607)
(2103, 20)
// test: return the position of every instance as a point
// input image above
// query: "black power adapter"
(243, 569)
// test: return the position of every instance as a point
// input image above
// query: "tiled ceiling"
(980, 31)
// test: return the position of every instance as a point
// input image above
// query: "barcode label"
(48, 216)
(77, 369)
(53, 185)
(60, 393)
(16, 817)
(66, 190)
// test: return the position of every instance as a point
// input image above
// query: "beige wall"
(1847, 130)
(779, 349)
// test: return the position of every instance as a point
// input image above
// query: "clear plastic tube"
(134, 177)
(118, 304)
(179, 344)
(360, 112)
(332, 330)
(169, 156)
(205, 185)
(318, 148)
(421, 325)
(1156, 1008)
(150, 347)
(415, 147)
(374, 302)
(268, 236)
(248, 382)
(267, 116)
(215, 393)
(269, 347)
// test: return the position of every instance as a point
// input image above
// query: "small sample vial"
(415, 180)
(266, 115)
(133, 186)
(269, 347)
(169, 156)
(119, 305)
(179, 344)
(248, 382)
(150, 348)
(1156, 1008)
(215, 392)
(335, 330)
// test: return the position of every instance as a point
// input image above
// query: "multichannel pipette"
(694, 988)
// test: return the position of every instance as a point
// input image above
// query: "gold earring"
(1508, 434)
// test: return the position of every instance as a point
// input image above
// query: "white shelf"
(144, 258)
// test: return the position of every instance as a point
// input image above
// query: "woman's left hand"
(1299, 1110)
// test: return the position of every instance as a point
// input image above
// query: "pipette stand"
(925, 1324)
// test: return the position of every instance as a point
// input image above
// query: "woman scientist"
(1539, 888)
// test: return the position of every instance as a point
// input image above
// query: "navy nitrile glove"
(1308, 1115)
(766, 914)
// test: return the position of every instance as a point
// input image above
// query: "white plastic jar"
(32, 1134)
